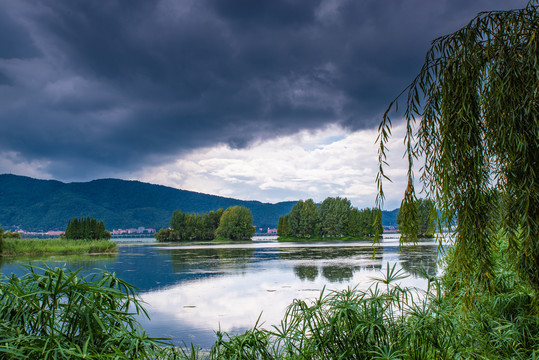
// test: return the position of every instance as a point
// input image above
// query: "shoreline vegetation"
(386, 321)
(234, 223)
(333, 218)
(330, 238)
(216, 241)
(57, 246)
(477, 82)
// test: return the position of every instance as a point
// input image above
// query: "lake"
(192, 291)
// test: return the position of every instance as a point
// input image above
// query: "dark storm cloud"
(94, 87)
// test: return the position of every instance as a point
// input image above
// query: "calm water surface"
(191, 291)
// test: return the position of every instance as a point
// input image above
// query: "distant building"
(131, 231)
(272, 231)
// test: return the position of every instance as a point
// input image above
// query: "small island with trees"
(334, 218)
(233, 224)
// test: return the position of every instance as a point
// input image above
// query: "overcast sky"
(266, 100)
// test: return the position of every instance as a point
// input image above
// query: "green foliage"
(236, 224)
(425, 220)
(86, 229)
(474, 104)
(12, 235)
(334, 218)
(13, 247)
(282, 228)
(334, 214)
(56, 314)
(166, 235)
(388, 321)
(191, 227)
(37, 205)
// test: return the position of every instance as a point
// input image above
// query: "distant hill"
(37, 205)
(389, 218)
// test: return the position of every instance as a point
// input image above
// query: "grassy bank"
(14, 247)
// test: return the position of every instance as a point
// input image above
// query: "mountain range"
(41, 205)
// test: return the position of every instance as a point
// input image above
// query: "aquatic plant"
(57, 314)
(56, 246)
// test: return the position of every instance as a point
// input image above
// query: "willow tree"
(472, 115)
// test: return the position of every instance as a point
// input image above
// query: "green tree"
(179, 223)
(354, 223)
(282, 228)
(309, 222)
(334, 213)
(294, 219)
(88, 229)
(165, 235)
(210, 223)
(12, 235)
(425, 224)
(236, 224)
(474, 104)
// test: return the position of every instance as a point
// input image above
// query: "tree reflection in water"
(417, 257)
(353, 259)
(306, 272)
(335, 273)
(212, 259)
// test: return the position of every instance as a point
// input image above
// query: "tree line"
(334, 217)
(87, 229)
(235, 223)
(424, 223)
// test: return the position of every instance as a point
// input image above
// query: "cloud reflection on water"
(234, 300)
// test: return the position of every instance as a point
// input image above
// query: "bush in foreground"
(390, 322)
(56, 314)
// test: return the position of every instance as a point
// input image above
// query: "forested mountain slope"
(36, 205)
(47, 204)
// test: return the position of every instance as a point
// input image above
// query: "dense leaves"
(86, 229)
(57, 314)
(191, 227)
(425, 223)
(475, 105)
(236, 224)
(41, 205)
(334, 217)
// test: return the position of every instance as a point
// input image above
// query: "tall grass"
(447, 321)
(56, 246)
(55, 314)
(58, 315)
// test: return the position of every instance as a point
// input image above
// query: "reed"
(13, 247)
(56, 314)
(390, 322)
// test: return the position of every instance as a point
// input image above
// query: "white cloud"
(329, 162)
(12, 163)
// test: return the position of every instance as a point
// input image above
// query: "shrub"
(56, 314)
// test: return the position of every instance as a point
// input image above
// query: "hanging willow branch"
(475, 104)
